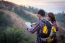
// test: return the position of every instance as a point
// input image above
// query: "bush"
(14, 35)
(4, 21)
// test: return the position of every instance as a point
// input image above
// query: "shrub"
(14, 35)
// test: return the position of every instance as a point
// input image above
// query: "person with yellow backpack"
(43, 28)
(52, 20)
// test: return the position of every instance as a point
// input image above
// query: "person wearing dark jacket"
(39, 25)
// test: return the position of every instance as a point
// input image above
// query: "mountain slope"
(14, 18)
(20, 10)
(61, 19)
(14, 30)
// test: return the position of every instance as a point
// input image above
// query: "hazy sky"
(48, 5)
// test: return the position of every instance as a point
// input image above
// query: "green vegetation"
(24, 15)
(60, 17)
(14, 35)
(10, 34)
(4, 21)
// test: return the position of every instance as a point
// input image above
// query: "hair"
(51, 16)
(41, 12)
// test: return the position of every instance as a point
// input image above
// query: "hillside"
(13, 18)
(20, 10)
(13, 24)
(60, 17)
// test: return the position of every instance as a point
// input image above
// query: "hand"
(33, 24)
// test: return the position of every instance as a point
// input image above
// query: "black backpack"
(46, 29)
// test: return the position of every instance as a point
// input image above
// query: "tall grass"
(14, 35)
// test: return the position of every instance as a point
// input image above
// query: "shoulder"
(46, 22)
(40, 23)
(54, 23)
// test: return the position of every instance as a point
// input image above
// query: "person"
(52, 20)
(42, 23)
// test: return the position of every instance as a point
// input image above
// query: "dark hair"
(52, 17)
(41, 12)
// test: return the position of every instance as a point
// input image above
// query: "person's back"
(40, 34)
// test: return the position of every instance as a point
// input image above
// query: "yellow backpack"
(53, 29)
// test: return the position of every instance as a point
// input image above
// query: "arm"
(34, 29)
(39, 25)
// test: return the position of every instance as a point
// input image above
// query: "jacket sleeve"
(39, 25)
(34, 29)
